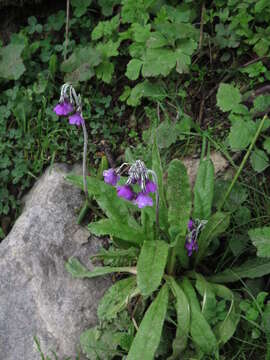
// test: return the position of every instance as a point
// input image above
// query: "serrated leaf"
(217, 224)
(228, 97)
(156, 40)
(151, 265)
(260, 238)
(11, 64)
(183, 319)
(133, 69)
(104, 71)
(79, 66)
(241, 134)
(147, 89)
(107, 6)
(200, 330)
(100, 345)
(251, 269)
(259, 160)
(79, 271)
(204, 190)
(158, 62)
(116, 298)
(148, 336)
(117, 229)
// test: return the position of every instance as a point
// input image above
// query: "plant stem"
(85, 137)
(67, 29)
(243, 162)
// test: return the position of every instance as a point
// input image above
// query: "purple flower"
(63, 109)
(143, 200)
(125, 192)
(110, 177)
(190, 225)
(150, 186)
(191, 246)
(76, 119)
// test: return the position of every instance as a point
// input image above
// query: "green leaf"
(100, 345)
(266, 145)
(107, 6)
(183, 319)
(209, 301)
(151, 265)
(158, 62)
(166, 134)
(157, 168)
(11, 64)
(80, 6)
(225, 329)
(228, 97)
(156, 40)
(241, 134)
(259, 160)
(251, 269)
(146, 89)
(204, 190)
(104, 71)
(260, 238)
(148, 336)
(77, 270)
(133, 69)
(179, 198)
(118, 229)
(117, 298)
(216, 225)
(261, 5)
(200, 330)
(79, 66)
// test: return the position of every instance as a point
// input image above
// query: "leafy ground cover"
(186, 73)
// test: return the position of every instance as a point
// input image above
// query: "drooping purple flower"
(150, 186)
(76, 119)
(63, 109)
(190, 225)
(143, 199)
(191, 245)
(110, 177)
(125, 192)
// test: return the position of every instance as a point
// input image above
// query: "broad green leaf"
(200, 330)
(107, 6)
(106, 28)
(259, 160)
(104, 71)
(157, 168)
(117, 298)
(266, 145)
(183, 319)
(179, 198)
(228, 97)
(158, 62)
(153, 91)
(151, 264)
(204, 190)
(80, 6)
(225, 329)
(133, 69)
(77, 270)
(166, 134)
(251, 269)
(118, 229)
(241, 134)
(181, 251)
(238, 195)
(79, 66)
(148, 336)
(209, 301)
(260, 238)
(216, 225)
(156, 40)
(260, 5)
(11, 64)
(100, 344)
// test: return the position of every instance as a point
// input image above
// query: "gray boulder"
(37, 295)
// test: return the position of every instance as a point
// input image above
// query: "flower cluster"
(70, 105)
(194, 228)
(138, 174)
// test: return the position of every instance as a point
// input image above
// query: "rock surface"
(37, 296)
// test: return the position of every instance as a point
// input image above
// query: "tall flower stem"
(85, 142)
(243, 162)
(154, 175)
